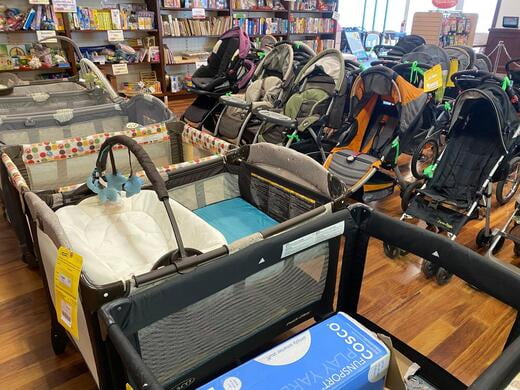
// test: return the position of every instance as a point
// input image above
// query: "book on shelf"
(122, 17)
(257, 5)
(320, 44)
(312, 25)
(262, 26)
(188, 4)
(312, 5)
(38, 17)
(180, 27)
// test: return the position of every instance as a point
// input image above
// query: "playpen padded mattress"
(235, 218)
(123, 239)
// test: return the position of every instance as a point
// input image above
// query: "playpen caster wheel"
(424, 155)
(442, 276)
(483, 240)
(391, 251)
(29, 259)
(408, 193)
(58, 340)
(429, 269)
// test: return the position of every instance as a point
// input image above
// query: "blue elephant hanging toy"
(109, 187)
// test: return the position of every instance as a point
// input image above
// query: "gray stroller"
(271, 80)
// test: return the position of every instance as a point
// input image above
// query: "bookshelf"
(247, 12)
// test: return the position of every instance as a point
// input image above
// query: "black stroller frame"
(122, 319)
(446, 215)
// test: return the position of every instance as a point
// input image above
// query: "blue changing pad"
(235, 218)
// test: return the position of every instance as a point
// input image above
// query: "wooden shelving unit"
(174, 42)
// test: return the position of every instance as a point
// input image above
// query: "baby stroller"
(317, 99)
(89, 88)
(44, 147)
(216, 209)
(228, 70)
(481, 146)
(385, 113)
(273, 76)
(403, 46)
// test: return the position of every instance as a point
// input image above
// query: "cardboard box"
(338, 353)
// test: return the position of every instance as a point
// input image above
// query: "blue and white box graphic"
(338, 353)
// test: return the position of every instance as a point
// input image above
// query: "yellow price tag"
(454, 68)
(66, 282)
(433, 78)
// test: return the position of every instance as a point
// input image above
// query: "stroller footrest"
(349, 166)
(277, 118)
(234, 101)
(437, 215)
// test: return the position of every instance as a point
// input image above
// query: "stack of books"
(320, 44)
(216, 4)
(312, 5)
(41, 17)
(175, 27)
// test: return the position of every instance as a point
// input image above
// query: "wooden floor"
(460, 328)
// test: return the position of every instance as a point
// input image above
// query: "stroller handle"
(142, 157)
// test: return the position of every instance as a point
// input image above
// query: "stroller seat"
(126, 238)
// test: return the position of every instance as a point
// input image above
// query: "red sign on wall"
(445, 3)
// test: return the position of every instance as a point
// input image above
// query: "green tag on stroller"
(428, 171)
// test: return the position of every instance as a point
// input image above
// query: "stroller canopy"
(377, 84)
(495, 102)
(330, 63)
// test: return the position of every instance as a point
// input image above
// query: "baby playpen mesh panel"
(207, 191)
(25, 90)
(23, 129)
(172, 346)
(44, 102)
(59, 173)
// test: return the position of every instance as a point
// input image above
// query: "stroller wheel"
(402, 252)
(424, 155)
(429, 269)
(507, 188)
(408, 193)
(391, 251)
(442, 276)
(483, 240)
(59, 339)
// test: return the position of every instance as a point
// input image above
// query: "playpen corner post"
(353, 262)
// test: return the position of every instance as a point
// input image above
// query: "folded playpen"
(156, 344)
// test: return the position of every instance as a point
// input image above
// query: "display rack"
(434, 27)
(161, 9)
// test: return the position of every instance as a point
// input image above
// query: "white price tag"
(198, 64)
(118, 69)
(99, 59)
(198, 13)
(115, 35)
(335, 15)
(64, 5)
(39, 1)
(41, 34)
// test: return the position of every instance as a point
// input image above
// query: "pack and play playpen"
(89, 88)
(40, 146)
(222, 206)
(158, 343)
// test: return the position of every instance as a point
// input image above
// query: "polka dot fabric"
(79, 146)
(204, 140)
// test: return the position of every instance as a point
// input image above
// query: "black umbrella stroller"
(482, 144)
